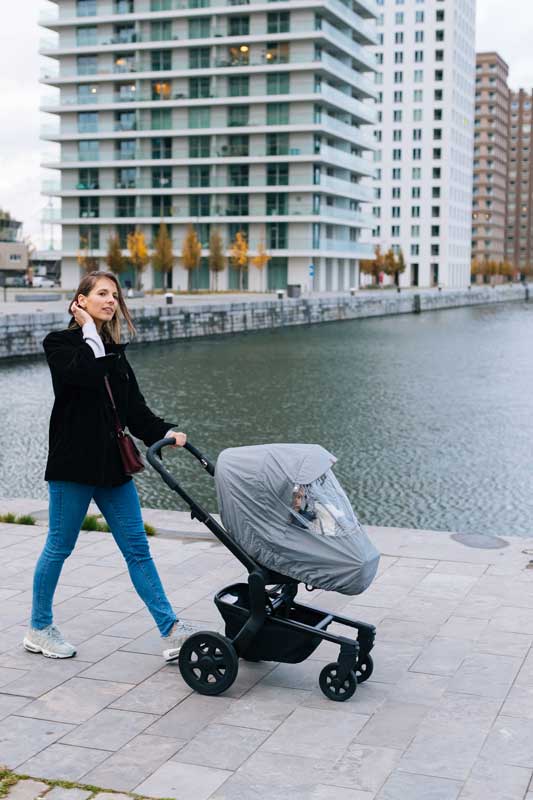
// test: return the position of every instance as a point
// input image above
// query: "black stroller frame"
(263, 620)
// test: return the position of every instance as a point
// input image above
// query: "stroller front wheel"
(364, 668)
(333, 687)
(208, 662)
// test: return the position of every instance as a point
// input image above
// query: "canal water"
(429, 416)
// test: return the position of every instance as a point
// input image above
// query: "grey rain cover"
(256, 487)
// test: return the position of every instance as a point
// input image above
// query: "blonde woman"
(84, 461)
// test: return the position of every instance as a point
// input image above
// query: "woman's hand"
(179, 438)
(80, 315)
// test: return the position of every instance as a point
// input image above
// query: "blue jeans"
(120, 506)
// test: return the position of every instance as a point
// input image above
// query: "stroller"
(288, 521)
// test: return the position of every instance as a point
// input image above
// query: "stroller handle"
(153, 454)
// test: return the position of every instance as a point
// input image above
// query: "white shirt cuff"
(92, 337)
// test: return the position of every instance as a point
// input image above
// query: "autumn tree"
(389, 263)
(217, 257)
(139, 257)
(114, 258)
(191, 252)
(400, 266)
(373, 266)
(239, 256)
(261, 260)
(163, 255)
(84, 257)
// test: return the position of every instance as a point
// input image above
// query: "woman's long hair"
(111, 330)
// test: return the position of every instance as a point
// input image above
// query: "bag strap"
(118, 425)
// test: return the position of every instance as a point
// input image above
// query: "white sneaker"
(180, 632)
(49, 641)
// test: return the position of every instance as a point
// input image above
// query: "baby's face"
(298, 499)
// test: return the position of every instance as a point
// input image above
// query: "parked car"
(15, 280)
(40, 282)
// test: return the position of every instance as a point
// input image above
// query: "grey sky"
(503, 25)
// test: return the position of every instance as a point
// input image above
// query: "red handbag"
(131, 457)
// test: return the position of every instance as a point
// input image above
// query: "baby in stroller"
(319, 517)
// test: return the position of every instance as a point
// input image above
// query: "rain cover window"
(285, 507)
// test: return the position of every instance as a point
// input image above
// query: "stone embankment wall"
(22, 334)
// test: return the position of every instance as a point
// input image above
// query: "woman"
(84, 461)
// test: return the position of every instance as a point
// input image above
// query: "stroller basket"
(277, 642)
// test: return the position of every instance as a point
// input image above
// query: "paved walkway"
(447, 714)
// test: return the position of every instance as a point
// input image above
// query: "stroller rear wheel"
(333, 687)
(364, 668)
(208, 662)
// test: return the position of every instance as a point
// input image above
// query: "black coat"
(82, 442)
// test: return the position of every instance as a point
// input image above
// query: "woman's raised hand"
(179, 438)
(80, 315)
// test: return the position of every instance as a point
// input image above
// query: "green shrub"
(7, 518)
(150, 530)
(93, 523)
(25, 519)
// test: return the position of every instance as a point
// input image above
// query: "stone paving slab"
(446, 715)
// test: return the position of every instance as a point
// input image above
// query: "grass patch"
(24, 519)
(9, 779)
(93, 522)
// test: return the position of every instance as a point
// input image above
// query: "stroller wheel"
(333, 687)
(208, 662)
(364, 668)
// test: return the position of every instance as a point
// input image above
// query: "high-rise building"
(13, 251)
(519, 243)
(491, 146)
(244, 116)
(423, 204)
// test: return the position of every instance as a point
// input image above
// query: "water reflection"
(429, 416)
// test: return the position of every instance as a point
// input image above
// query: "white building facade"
(423, 202)
(242, 116)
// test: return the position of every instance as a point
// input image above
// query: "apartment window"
(397, 155)
(440, 15)
(277, 144)
(123, 231)
(415, 231)
(277, 174)
(398, 77)
(89, 206)
(88, 150)
(435, 230)
(161, 60)
(160, 5)
(162, 177)
(419, 37)
(125, 207)
(161, 30)
(417, 134)
(200, 28)
(417, 115)
(239, 26)
(418, 75)
(398, 97)
(238, 205)
(398, 37)
(87, 121)
(89, 237)
(415, 192)
(278, 114)
(199, 175)
(397, 136)
(124, 34)
(395, 212)
(238, 116)
(396, 174)
(438, 95)
(238, 175)
(437, 115)
(86, 8)
(278, 22)
(237, 227)
(125, 149)
(415, 211)
(199, 205)
(238, 85)
(161, 90)
(124, 6)
(125, 121)
(435, 250)
(277, 235)
(439, 35)
(87, 93)
(161, 206)
(436, 174)
(399, 18)
(419, 16)
(439, 75)
(278, 83)
(437, 153)
(396, 192)
(161, 119)
(199, 57)
(416, 173)
(398, 57)
(161, 147)
(199, 146)
(199, 87)
(199, 117)
(87, 65)
(435, 211)
(437, 133)
(418, 95)
(238, 145)
(415, 249)
(417, 154)
(419, 56)
(396, 116)
(277, 204)
(439, 55)
(395, 230)
(87, 36)
(435, 191)
(123, 62)
(88, 179)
